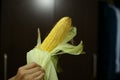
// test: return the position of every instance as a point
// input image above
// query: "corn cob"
(57, 34)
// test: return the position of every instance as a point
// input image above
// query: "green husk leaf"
(49, 60)
(43, 59)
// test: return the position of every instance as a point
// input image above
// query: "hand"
(29, 72)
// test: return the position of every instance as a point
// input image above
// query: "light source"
(44, 4)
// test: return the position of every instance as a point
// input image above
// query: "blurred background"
(98, 25)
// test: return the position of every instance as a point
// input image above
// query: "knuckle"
(19, 69)
(21, 72)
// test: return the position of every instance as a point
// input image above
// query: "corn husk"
(48, 60)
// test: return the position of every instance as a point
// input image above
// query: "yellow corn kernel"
(57, 34)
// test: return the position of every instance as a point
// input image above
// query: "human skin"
(29, 72)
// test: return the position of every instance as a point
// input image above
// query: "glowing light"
(45, 4)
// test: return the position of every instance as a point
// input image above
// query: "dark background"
(20, 20)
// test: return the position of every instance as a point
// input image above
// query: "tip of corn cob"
(57, 34)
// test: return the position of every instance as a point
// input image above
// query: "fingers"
(30, 72)
(39, 77)
(33, 70)
(35, 76)
(36, 71)
(29, 66)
